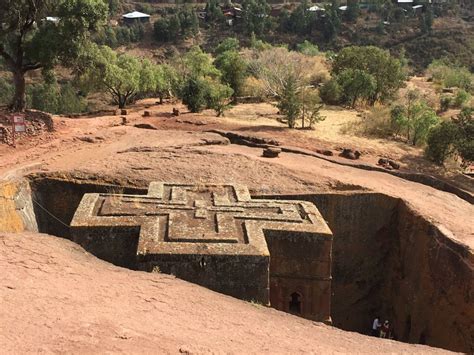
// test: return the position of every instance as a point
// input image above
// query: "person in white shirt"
(376, 325)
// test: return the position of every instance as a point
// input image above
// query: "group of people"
(381, 330)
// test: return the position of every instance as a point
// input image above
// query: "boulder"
(271, 152)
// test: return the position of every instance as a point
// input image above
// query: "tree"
(311, 107)
(289, 103)
(414, 119)
(386, 70)
(301, 20)
(356, 84)
(331, 92)
(174, 28)
(188, 20)
(161, 30)
(28, 41)
(194, 93)
(331, 22)
(255, 16)
(198, 63)
(213, 12)
(452, 137)
(228, 44)
(352, 10)
(121, 75)
(218, 97)
(156, 80)
(234, 70)
(275, 66)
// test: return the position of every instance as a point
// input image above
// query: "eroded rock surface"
(97, 307)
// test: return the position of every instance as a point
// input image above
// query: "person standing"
(376, 325)
(385, 330)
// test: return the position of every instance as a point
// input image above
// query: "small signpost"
(18, 126)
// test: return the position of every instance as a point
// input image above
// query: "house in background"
(134, 17)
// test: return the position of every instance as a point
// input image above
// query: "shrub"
(194, 94)
(56, 99)
(449, 75)
(414, 119)
(307, 48)
(331, 92)
(461, 98)
(452, 137)
(218, 97)
(440, 142)
(254, 88)
(445, 103)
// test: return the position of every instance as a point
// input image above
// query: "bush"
(254, 88)
(414, 119)
(445, 103)
(218, 97)
(449, 75)
(452, 137)
(194, 94)
(461, 98)
(307, 48)
(53, 98)
(331, 92)
(440, 142)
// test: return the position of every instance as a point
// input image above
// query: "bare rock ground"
(56, 298)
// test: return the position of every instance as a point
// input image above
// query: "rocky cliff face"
(16, 207)
(390, 261)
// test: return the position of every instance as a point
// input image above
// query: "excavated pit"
(387, 259)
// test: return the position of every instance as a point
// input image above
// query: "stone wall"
(61, 195)
(240, 276)
(390, 261)
(300, 269)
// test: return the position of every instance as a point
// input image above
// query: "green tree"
(311, 107)
(386, 70)
(301, 20)
(198, 63)
(213, 12)
(218, 97)
(452, 137)
(234, 71)
(161, 31)
(289, 103)
(255, 16)
(188, 20)
(29, 42)
(356, 84)
(114, 6)
(414, 119)
(121, 75)
(228, 44)
(194, 93)
(174, 28)
(331, 92)
(352, 11)
(331, 22)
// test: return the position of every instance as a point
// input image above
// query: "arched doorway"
(295, 303)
